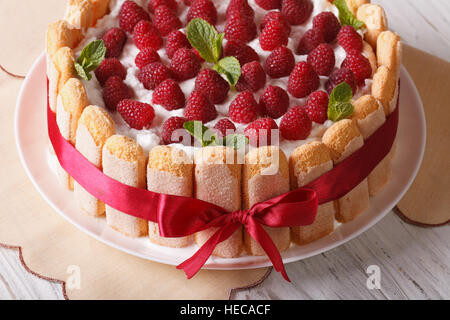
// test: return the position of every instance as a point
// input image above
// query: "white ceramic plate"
(32, 142)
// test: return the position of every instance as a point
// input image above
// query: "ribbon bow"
(296, 208)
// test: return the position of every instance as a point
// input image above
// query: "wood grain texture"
(18, 283)
(414, 262)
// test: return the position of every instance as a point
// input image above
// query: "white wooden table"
(413, 263)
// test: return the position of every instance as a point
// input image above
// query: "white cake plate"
(32, 143)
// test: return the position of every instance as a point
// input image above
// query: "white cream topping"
(150, 138)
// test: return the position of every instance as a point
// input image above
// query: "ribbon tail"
(258, 233)
(193, 265)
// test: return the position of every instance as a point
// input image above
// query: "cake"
(272, 76)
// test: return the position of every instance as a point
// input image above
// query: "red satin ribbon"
(181, 216)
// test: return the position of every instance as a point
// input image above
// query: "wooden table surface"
(413, 262)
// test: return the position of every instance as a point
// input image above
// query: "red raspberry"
(296, 124)
(276, 15)
(349, 39)
(259, 132)
(241, 6)
(199, 108)
(244, 108)
(274, 102)
(322, 59)
(138, 115)
(145, 35)
(240, 51)
(171, 4)
(269, 4)
(115, 90)
(252, 78)
(176, 40)
(279, 63)
(273, 35)
(153, 74)
(169, 95)
(168, 128)
(359, 65)
(185, 64)
(329, 24)
(296, 11)
(339, 76)
(166, 20)
(240, 27)
(203, 9)
(224, 127)
(114, 41)
(198, 55)
(130, 14)
(303, 80)
(317, 106)
(212, 85)
(146, 57)
(310, 40)
(108, 68)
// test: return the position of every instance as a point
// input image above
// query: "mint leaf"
(201, 133)
(346, 16)
(236, 141)
(341, 93)
(230, 67)
(90, 58)
(339, 111)
(204, 37)
(340, 106)
(93, 53)
(82, 73)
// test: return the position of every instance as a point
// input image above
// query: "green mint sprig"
(340, 106)
(90, 58)
(208, 42)
(209, 138)
(346, 16)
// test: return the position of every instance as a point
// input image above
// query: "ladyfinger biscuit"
(80, 14)
(100, 8)
(72, 100)
(369, 116)
(374, 17)
(307, 163)
(384, 88)
(61, 68)
(61, 34)
(217, 179)
(353, 5)
(343, 138)
(370, 54)
(266, 175)
(389, 51)
(94, 128)
(169, 171)
(123, 159)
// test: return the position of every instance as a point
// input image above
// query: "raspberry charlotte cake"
(231, 102)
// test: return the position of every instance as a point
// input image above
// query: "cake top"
(260, 69)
